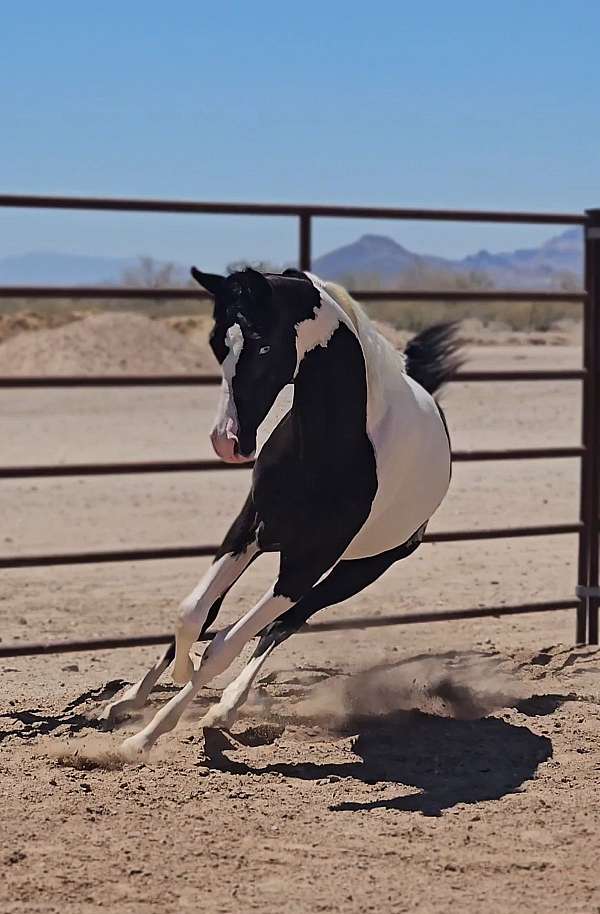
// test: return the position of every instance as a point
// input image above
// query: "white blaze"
(227, 418)
(226, 427)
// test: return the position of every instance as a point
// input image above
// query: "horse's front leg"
(138, 694)
(226, 645)
(202, 605)
(295, 579)
(194, 610)
(197, 611)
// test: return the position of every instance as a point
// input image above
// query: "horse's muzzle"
(226, 445)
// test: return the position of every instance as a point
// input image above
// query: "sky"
(433, 104)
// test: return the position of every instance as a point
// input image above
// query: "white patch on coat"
(318, 330)
(227, 418)
(314, 331)
(404, 425)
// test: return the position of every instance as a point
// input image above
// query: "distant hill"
(381, 256)
(373, 256)
(529, 266)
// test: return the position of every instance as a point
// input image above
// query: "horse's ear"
(257, 284)
(212, 282)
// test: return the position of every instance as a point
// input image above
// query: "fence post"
(593, 276)
(304, 258)
(587, 613)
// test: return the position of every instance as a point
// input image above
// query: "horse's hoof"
(114, 713)
(107, 715)
(220, 718)
(135, 746)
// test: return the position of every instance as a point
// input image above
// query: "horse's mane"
(357, 314)
(342, 297)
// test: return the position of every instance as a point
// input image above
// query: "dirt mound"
(15, 322)
(105, 344)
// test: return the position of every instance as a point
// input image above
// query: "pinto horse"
(343, 487)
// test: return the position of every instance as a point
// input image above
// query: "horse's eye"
(263, 350)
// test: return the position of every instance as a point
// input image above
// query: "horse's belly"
(410, 487)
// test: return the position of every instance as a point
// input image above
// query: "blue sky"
(449, 104)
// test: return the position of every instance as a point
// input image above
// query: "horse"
(343, 487)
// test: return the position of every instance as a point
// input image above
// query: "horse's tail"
(434, 356)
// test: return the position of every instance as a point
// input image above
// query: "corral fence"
(586, 598)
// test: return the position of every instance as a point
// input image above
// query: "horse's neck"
(385, 366)
(330, 395)
(348, 375)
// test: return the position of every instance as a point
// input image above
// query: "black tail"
(433, 356)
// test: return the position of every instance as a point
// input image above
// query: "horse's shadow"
(73, 718)
(449, 761)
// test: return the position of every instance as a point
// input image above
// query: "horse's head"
(254, 339)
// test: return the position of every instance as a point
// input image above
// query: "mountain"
(376, 255)
(381, 256)
(372, 256)
(531, 266)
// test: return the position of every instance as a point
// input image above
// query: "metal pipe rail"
(186, 552)
(32, 649)
(319, 210)
(194, 466)
(209, 380)
(178, 294)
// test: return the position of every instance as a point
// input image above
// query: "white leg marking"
(194, 609)
(224, 713)
(226, 646)
(136, 695)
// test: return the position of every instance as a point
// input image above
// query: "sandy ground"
(458, 766)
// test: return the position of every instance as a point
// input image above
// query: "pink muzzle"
(226, 444)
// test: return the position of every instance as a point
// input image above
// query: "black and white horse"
(343, 487)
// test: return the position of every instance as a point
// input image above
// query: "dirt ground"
(457, 768)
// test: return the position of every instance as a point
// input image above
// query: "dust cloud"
(465, 688)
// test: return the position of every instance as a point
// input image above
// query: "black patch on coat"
(316, 477)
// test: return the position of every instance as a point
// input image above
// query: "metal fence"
(586, 598)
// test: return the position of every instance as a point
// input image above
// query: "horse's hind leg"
(224, 713)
